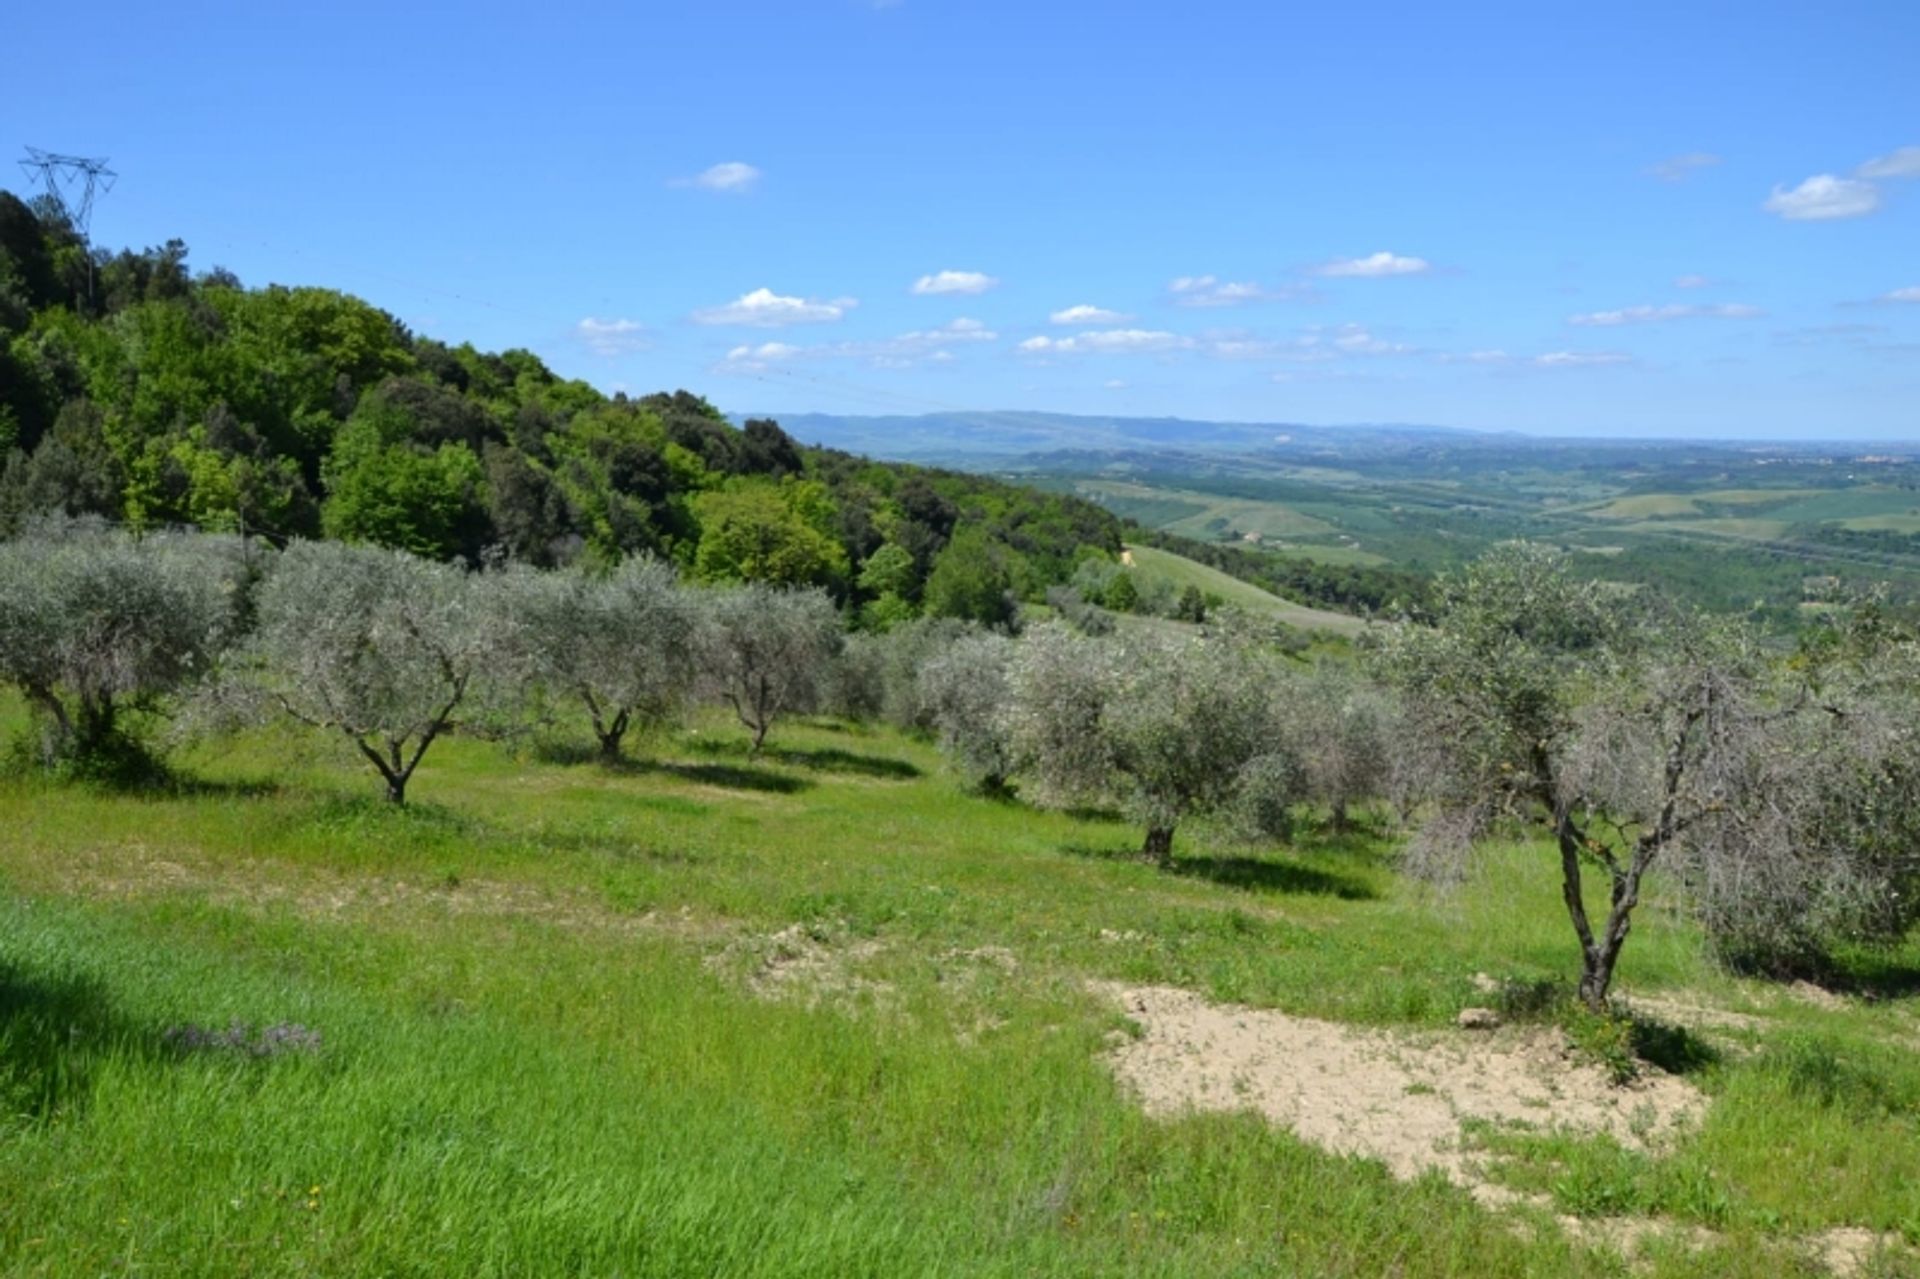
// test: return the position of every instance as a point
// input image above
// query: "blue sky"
(1692, 219)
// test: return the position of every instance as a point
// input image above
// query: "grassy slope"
(1151, 562)
(539, 1056)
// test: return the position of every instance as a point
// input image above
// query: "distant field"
(1906, 522)
(1721, 528)
(1203, 515)
(1152, 563)
(1778, 508)
(1646, 506)
(1653, 506)
(1211, 518)
(1756, 529)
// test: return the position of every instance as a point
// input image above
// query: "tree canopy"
(161, 397)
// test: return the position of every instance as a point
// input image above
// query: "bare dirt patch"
(1399, 1098)
(806, 961)
(1848, 1250)
(1683, 1009)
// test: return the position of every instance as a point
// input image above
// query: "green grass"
(1154, 564)
(540, 1052)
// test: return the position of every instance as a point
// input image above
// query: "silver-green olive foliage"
(905, 650)
(965, 691)
(1625, 728)
(1164, 727)
(618, 644)
(94, 623)
(1343, 730)
(377, 645)
(764, 650)
(1812, 840)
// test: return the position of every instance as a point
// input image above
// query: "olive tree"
(854, 684)
(1576, 705)
(1165, 727)
(620, 644)
(966, 692)
(1342, 729)
(904, 651)
(94, 623)
(764, 649)
(377, 645)
(1815, 841)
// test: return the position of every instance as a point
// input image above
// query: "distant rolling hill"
(994, 438)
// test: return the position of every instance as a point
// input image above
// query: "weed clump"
(286, 1038)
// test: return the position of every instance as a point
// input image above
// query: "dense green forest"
(134, 389)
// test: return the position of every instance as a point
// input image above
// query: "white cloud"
(1353, 339)
(1209, 290)
(1496, 358)
(764, 354)
(1314, 346)
(1374, 266)
(611, 337)
(970, 282)
(1679, 168)
(1910, 294)
(1901, 163)
(763, 308)
(1691, 282)
(1671, 311)
(919, 344)
(1239, 347)
(1824, 197)
(1115, 384)
(1109, 342)
(904, 351)
(1579, 359)
(1084, 314)
(733, 178)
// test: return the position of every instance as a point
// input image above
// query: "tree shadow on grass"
(141, 776)
(1261, 875)
(1870, 976)
(826, 760)
(1253, 874)
(1674, 1048)
(839, 761)
(58, 1029)
(187, 786)
(54, 1032)
(730, 776)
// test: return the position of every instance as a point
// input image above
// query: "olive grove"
(1776, 791)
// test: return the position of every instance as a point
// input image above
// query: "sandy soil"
(1394, 1097)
